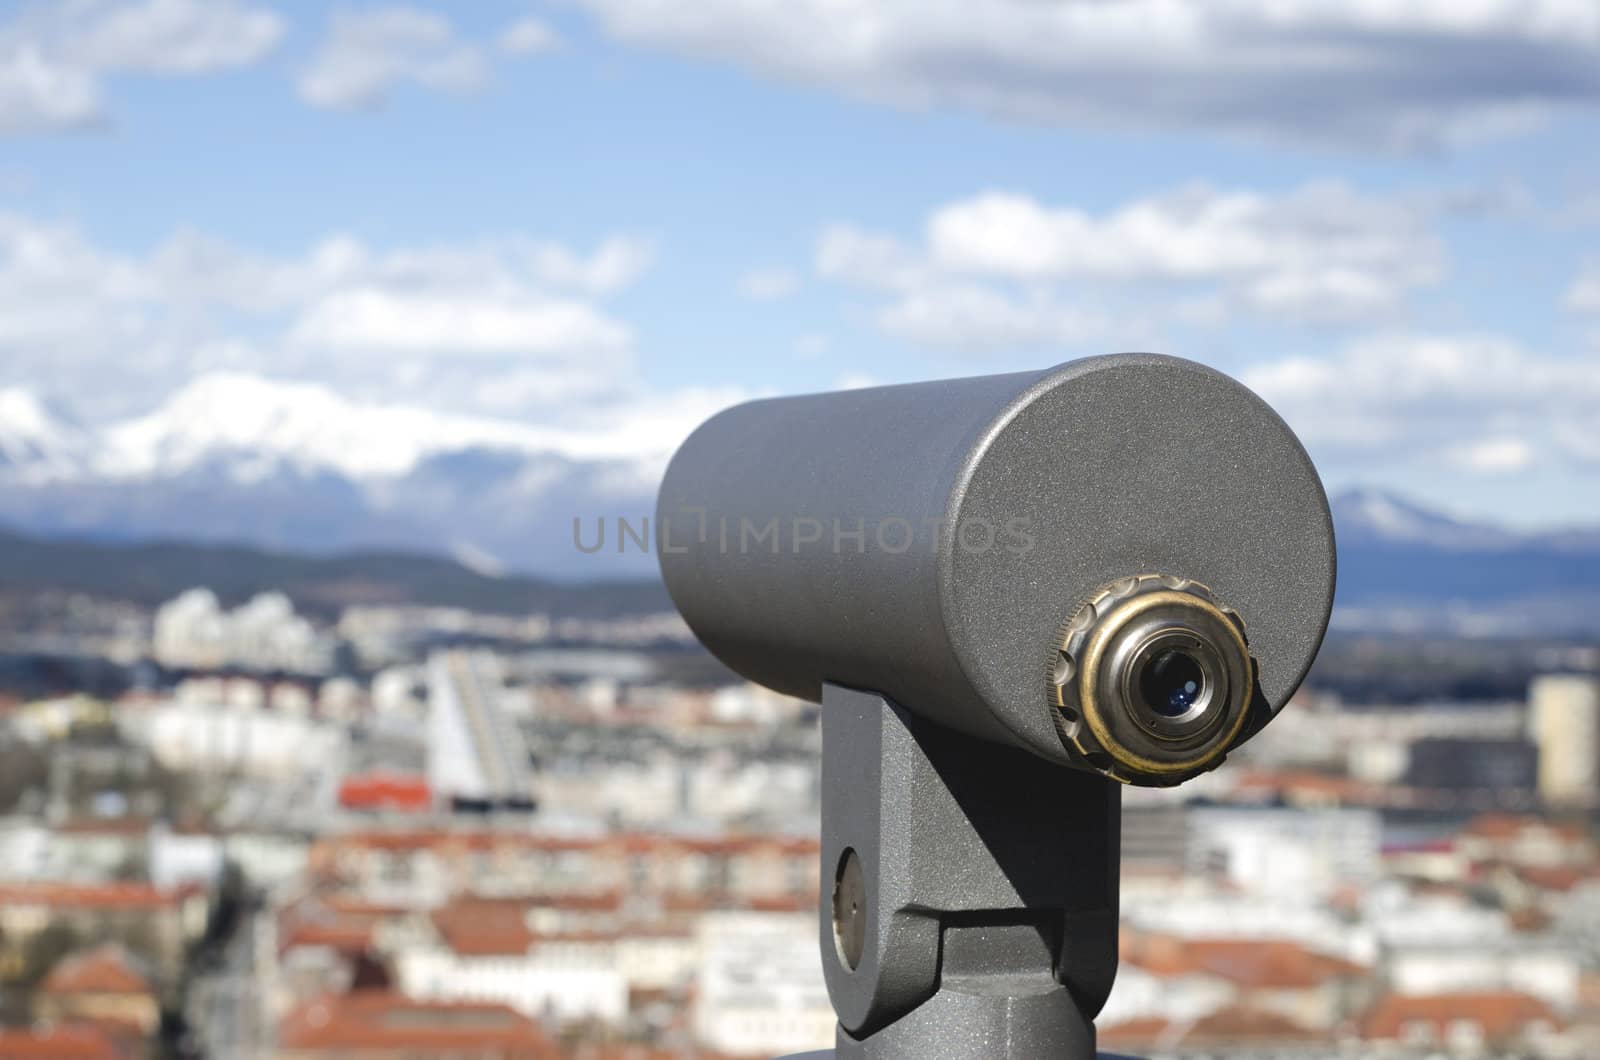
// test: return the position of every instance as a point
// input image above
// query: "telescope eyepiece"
(1152, 680)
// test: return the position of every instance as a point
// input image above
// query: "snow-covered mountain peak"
(1375, 516)
(255, 425)
(33, 437)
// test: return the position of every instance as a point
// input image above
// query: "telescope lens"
(1171, 683)
(1153, 675)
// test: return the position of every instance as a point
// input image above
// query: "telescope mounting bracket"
(968, 905)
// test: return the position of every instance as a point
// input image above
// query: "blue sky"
(595, 213)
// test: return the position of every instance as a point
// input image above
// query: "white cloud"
(1397, 75)
(198, 267)
(175, 36)
(384, 321)
(855, 381)
(59, 291)
(1320, 251)
(973, 319)
(529, 36)
(1584, 294)
(511, 325)
(52, 56)
(615, 264)
(367, 53)
(316, 428)
(768, 284)
(1483, 404)
(1495, 456)
(1003, 269)
(38, 93)
(868, 259)
(553, 382)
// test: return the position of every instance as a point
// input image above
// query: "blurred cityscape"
(344, 345)
(243, 827)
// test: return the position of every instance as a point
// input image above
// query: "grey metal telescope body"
(1008, 557)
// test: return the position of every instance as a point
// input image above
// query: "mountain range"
(296, 467)
(1404, 568)
(293, 468)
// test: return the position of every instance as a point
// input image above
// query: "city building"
(197, 737)
(194, 631)
(1179, 979)
(1282, 851)
(164, 921)
(760, 991)
(1465, 1024)
(424, 867)
(517, 839)
(1564, 718)
(477, 757)
(1504, 771)
(103, 986)
(376, 1025)
(491, 951)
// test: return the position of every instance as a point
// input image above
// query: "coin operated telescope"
(1012, 595)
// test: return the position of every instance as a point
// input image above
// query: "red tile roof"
(348, 939)
(579, 902)
(498, 927)
(1502, 1015)
(398, 840)
(1557, 878)
(728, 901)
(59, 1043)
(386, 791)
(359, 908)
(95, 896)
(1319, 787)
(477, 928)
(439, 839)
(1245, 1024)
(1508, 826)
(1235, 1025)
(719, 845)
(1262, 964)
(376, 1023)
(781, 903)
(106, 969)
(1133, 1033)
(1530, 920)
(341, 924)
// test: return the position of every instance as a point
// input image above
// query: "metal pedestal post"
(969, 892)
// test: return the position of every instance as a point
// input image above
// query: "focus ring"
(1100, 674)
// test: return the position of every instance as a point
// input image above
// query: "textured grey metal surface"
(991, 890)
(957, 1024)
(1118, 465)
